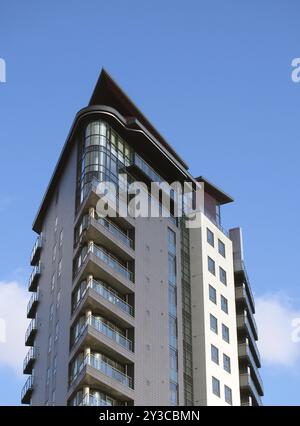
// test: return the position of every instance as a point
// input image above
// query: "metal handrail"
(34, 298)
(105, 368)
(110, 260)
(107, 331)
(107, 294)
(112, 228)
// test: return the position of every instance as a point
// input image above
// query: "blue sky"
(215, 78)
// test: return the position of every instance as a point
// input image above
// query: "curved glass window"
(104, 154)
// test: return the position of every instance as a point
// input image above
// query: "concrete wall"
(202, 307)
(62, 207)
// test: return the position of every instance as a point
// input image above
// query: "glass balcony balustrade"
(104, 368)
(106, 330)
(107, 258)
(107, 294)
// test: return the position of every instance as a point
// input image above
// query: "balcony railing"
(107, 331)
(110, 296)
(113, 198)
(106, 369)
(242, 294)
(92, 401)
(239, 266)
(216, 223)
(117, 201)
(114, 230)
(30, 333)
(29, 360)
(146, 169)
(247, 382)
(34, 257)
(34, 277)
(32, 305)
(245, 351)
(243, 323)
(110, 261)
(27, 390)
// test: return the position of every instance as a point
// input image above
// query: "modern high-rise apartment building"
(134, 311)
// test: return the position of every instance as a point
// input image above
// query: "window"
(214, 354)
(213, 324)
(56, 331)
(48, 376)
(172, 269)
(171, 241)
(53, 397)
(223, 277)
(61, 236)
(52, 282)
(211, 265)
(172, 300)
(224, 304)
(173, 394)
(172, 331)
(54, 253)
(216, 386)
(58, 298)
(225, 333)
(54, 365)
(49, 343)
(212, 294)
(59, 268)
(210, 237)
(221, 248)
(226, 363)
(228, 395)
(51, 312)
(173, 365)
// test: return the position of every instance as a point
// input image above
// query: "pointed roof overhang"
(213, 190)
(108, 92)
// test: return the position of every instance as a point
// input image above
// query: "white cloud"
(13, 303)
(278, 328)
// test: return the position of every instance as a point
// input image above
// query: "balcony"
(94, 260)
(90, 196)
(97, 296)
(111, 261)
(106, 233)
(29, 361)
(246, 401)
(115, 230)
(245, 356)
(216, 223)
(105, 369)
(243, 300)
(107, 331)
(90, 400)
(147, 171)
(94, 374)
(35, 254)
(241, 271)
(245, 330)
(31, 333)
(34, 278)
(247, 384)
(32, 305)
(27, 391)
